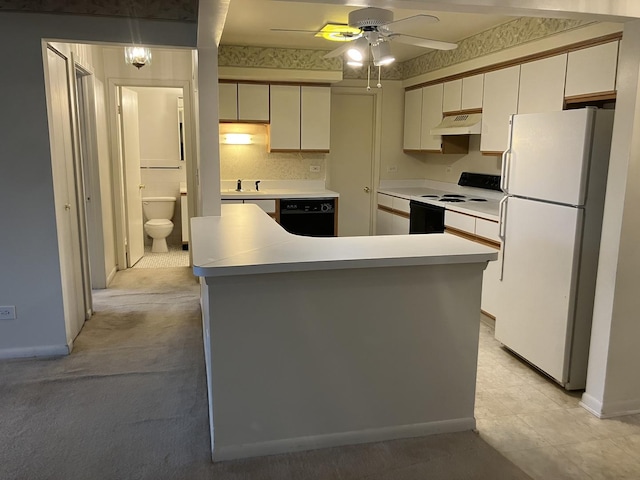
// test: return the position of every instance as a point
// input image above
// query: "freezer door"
(549, 156)
(540, 258)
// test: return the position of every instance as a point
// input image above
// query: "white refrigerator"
(554, 178)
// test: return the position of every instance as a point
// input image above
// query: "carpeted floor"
(130, 403)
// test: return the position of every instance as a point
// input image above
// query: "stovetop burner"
(477, 199)
(451, 200)
(429, 196)
(453, 195)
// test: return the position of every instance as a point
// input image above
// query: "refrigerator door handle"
(502, 229)
(506, 160)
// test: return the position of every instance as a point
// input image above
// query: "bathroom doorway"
(153, 150)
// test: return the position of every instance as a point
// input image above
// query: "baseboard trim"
(27, 352)
(338, 439)
(114, 270)
(610, 409)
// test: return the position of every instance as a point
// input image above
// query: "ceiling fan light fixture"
(381, 53)
(358, 51)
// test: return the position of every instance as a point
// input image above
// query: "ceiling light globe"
(355, 54)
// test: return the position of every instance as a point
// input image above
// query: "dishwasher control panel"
(325, 205)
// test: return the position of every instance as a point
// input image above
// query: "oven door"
(426, 218)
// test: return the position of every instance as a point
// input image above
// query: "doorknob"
(367, 189)
(141, 186)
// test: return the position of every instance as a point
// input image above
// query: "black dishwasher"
(312, 217)
(425, 218)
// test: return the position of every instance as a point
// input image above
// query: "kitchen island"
(317, 342)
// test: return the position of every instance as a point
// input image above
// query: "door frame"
(377, 141)
(120, 217)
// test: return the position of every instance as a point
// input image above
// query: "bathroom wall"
(254, 161)
(161, 168)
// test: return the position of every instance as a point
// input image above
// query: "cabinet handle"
(67, 206)
(141, 186)
(367, 189)
(502, 230)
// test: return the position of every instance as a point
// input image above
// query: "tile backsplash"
(254, 160)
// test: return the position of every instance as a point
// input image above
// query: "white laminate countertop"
(488, 209)
(244, 240)
(269, 193)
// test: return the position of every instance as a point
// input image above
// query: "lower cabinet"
(392, 217)
(485, 232)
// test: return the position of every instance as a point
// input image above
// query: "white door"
(540, 256)
(351, 160)
(132, 182)
(548, 156)
(66, 205)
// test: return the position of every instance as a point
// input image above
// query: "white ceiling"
(249, 22)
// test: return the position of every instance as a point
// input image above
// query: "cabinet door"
(472, 88)
(253, 102)
(315, 117)
(592, 70)
(500, 100)
(452, 96)
(491, 284)
(383, 222)
(284, 129)
(228, 102)
(399, 225)
(412, 119)
(431, 117)
(542, 85)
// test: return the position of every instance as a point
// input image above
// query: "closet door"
(65, 198)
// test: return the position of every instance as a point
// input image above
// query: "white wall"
(30, 277)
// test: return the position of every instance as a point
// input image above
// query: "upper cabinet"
(412, 119)
(243, 102)
(592, 70)
(472, 91)
(253, 102)
(500, 101)
(542, 85)
(300, 118)
(228, 102)
(452, 96)
(431, 117)
(315, 118)
(284, 129)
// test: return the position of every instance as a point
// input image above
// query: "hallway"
(129, 402)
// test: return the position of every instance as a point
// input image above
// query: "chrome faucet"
(257, 185)
(239, 186)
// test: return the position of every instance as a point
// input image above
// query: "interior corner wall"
(612, 382)
(31, 278)
(209, 153)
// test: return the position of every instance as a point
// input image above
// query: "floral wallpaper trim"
(177, 10)
(270, 57)
(510, 34)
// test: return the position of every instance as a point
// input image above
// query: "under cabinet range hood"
(465, 124)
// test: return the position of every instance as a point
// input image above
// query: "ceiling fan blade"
(339, 51)
(292, 30)
(413, 22)
(423, 42)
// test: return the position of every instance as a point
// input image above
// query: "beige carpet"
(130, 403)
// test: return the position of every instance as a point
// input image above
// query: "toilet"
(158, 212)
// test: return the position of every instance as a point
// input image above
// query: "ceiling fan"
(371, 29)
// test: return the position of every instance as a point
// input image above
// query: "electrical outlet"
(314, 168)
(392, 169)
(8, 313)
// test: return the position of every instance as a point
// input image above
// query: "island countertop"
(244, 240)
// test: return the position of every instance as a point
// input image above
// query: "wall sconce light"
(237, 139)
(137, 56)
